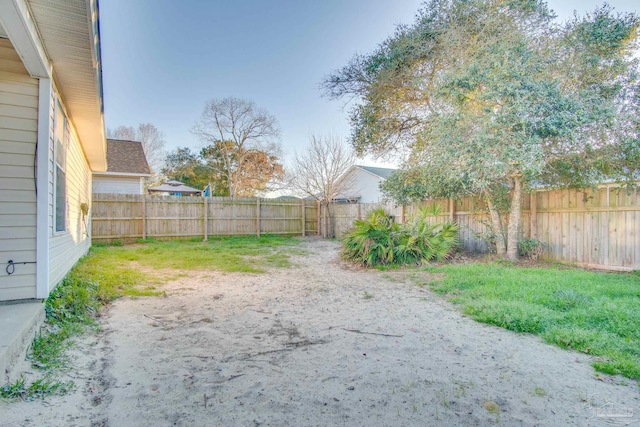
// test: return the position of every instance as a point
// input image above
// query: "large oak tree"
(492, 97)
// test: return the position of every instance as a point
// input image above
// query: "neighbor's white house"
(127, 168)
(362, 184)
(51, 139)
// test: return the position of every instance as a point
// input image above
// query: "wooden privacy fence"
(594, 228)
(128, 217)
(591, 228)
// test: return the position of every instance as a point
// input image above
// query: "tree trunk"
(496, 225)
(327, 222)
(514, 219)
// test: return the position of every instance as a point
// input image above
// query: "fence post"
(206, 219)
(401, 214)
(319, 216)
(452, 210)
(533, 219)
(258, 217)
(144, 217)
(304, 219)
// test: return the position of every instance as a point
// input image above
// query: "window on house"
(61, 135)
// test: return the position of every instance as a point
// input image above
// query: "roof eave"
(17, 22)
(122, 174)
(369, 172)
(77, 68)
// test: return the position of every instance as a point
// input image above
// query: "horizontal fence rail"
(591, 228)
(596, 228)
(129, 217)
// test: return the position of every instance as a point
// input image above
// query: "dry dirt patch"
(317, 344)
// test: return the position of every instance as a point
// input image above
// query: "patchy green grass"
(539, 391)
(136, 270)
(40, 388)
(70, 310)
(590, 312)
(113, 271)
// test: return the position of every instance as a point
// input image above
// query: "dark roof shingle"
(126, 157)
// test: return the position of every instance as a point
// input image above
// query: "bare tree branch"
(321, 170)
(247, 138)
(152, 140)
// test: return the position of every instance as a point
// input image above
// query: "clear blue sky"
(163, 59)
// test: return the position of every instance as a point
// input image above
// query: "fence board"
(596, 228)
(131, 217)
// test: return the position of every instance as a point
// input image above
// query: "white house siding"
(18, 135)
(117, 184)
(367, 186)
(65, 248)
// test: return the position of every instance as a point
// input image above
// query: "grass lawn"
(134, 270)
(590, 312)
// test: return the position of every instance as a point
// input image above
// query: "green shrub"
(372, 240)
(377, 240)
(530, 248)
(421, 241)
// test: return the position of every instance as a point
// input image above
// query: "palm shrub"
(422, 241)
(377, 240)
(371, 241)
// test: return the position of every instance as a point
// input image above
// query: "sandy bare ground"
(319, 344)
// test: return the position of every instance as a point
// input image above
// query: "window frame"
(60, 143)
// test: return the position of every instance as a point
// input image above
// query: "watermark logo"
(610, 412)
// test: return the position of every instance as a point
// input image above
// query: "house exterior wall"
(363, 184)
(18, 136)
(118, 184)
(66, 248)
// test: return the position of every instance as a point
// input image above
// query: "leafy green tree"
(188, 167)
(493, 97)
(208, 167)
(242, 143)
(252, 170)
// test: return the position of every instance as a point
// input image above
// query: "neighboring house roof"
(351, 185)
(126, 157)
(174, 187)
(383, 173)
